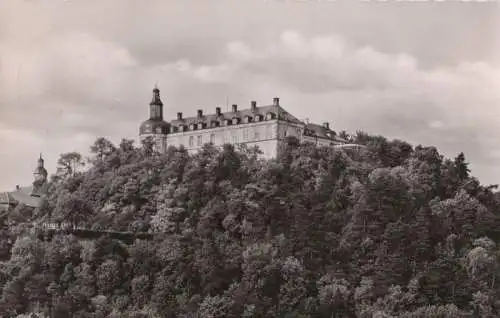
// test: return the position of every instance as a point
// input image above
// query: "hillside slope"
(386, 231)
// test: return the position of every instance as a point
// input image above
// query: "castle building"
(264, 126)
(29, 196)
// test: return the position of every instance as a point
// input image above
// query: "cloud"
(455, 107)
(72, 70)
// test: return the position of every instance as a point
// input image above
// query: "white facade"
(264, 126)
(261, 134)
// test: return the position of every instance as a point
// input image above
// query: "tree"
(102, 148)
(148, 146)
(345, 135)
(72, 209)
(462, 166)
(69, 164)
(319, 232)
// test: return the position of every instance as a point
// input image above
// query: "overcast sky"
(425, 72)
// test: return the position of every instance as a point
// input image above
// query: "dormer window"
(235, 120)
(248, 119)
(200, 126)
(192, 127)
(257, 118)
(269, 116)
(214, 123)
(227, 122)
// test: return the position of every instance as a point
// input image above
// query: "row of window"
(225, 122)
(247, 135)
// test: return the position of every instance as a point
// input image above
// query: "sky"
(427, 72)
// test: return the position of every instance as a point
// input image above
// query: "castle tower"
(40, 177)
(156, 106)
(155, 128)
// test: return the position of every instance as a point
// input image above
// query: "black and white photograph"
(249, 158)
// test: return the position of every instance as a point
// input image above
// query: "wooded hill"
(385, 231)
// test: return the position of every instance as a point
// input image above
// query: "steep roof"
(5, 201)
(21, 195)
(261, 110)
(314, 130)
(322, 132)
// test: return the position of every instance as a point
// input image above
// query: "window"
(269, 132)
(191, 141)
(234, 138)
(256, 135)
(199, 140)
(212, 138)
(245, 134)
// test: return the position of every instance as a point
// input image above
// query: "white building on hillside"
(29, 196)
(264, 126)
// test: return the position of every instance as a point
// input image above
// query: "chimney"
(218, 112)
(276, 101)
(17, 187)
(235, 108)
(179, 116)
(200, 113)
(253, 105)
(326, 125)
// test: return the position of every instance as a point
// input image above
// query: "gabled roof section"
(18, 196)
(322, 132)
(23, 195)
(286, 116)
(314, 130)
(281, 114)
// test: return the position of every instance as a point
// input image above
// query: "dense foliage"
(385, 231)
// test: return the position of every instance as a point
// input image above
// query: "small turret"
(155, 126)
(156, 105)
(40, 161)
(40, 177)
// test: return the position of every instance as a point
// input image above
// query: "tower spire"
(156, 105)
(156, 96)
(40, 177)
(40, 161)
